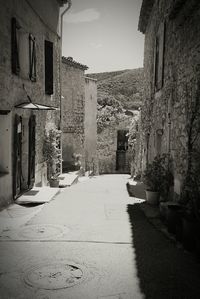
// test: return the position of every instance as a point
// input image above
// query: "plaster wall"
(30, 17)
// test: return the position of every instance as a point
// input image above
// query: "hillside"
(125, 86)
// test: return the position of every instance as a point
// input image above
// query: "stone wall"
(164, 113)
(73, 112)
(14, 88)
(90, 125)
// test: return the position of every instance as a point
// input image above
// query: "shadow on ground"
(164, 270)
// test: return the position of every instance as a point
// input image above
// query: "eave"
(69, 61)
(145, 13)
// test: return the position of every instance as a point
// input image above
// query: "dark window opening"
(32, 58)
(48, 67)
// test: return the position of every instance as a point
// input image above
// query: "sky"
(103, 35)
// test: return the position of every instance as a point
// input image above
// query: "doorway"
(31, 157)
(17, 163)
(24, 155)
(122, 163)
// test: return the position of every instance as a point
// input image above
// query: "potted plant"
(52, 155)
(157, 177)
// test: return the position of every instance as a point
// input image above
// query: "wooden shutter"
(48, 67)
(32, 58)
(31, 166)
(156, 61)
(14, 46)
(161, 55)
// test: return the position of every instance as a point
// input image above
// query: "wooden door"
(17, 155)
(121, 153)
(122, 140)
(31, 162)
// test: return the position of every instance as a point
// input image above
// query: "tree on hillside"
(109, 110)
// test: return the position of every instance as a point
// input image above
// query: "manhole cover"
(41, 231)
(54, 276)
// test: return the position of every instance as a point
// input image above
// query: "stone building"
(79, 106)
(170, 110)
(90, 124)
(29, 91)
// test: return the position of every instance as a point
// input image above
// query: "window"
(15, 46)
(159, 57)
(23, 49)
(48, 67)
(32, 58)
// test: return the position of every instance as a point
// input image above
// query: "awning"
(35, 106)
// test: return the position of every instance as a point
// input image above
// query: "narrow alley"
(99, 149)
(92, 241)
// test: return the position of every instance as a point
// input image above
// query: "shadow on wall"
(164, 270)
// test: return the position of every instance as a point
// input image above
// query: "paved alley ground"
(92, 241)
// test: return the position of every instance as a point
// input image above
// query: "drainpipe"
(61, 19)
(69, 2)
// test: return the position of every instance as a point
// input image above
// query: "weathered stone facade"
(21, 22)
(79, 105)
(171, 70)
(91, 161)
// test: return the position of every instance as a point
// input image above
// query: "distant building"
(29, 92)
(91, 161)
(113, 147)
(170, 113)
(79, 108)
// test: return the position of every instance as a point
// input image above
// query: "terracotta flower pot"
(54, 183)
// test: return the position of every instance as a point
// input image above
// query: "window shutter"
(161, 55)
(32, 58)
(156, 62)
(48, 67)
(14, 46)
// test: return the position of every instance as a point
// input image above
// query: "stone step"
(68, 179)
